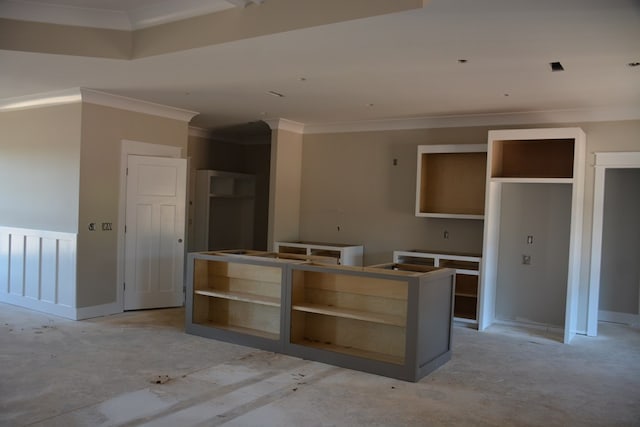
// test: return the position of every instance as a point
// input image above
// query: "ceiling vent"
(556, 66)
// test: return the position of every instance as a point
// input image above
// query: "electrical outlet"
(526, 259)
(529, 240)
(445, 235)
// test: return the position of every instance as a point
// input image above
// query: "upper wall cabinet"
(450, 181)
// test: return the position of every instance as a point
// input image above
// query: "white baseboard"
(616, 317)
(39, 305)
(97, 311)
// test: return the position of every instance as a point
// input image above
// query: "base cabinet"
(381, 320)
(467, 268)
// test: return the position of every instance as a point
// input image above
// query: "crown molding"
(47, 99)
(171, 10)
(69, 96)
(143, 17)
(124, 103)
(286, 124)
(199, 132)
(65, 15)
(473, 120)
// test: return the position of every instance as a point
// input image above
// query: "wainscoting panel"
(38, 270)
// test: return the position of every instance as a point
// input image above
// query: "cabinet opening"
(467, 285)
(384, 343)
(237, 316)
(465, 308)
(548, 158)
(453, 183)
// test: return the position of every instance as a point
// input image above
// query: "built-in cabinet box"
(345, 254)
(224, 210)
(533, 227)
(385, 319)
(450, 181)
(236, 298)
(467, 268)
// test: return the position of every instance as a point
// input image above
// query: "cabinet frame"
(439, 259)
(346, 254)
(495, 181)
(437, 183)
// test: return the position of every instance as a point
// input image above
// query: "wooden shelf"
(385, 319)
(241, 296)
(450, 181)
(528, 180)
(371, 355)
(241, 330)
(345, 254)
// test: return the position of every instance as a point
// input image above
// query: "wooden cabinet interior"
(359, 316)
(451, 181)
(552, 158)
(238, 297)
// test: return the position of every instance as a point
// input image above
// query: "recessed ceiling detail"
(556, 66)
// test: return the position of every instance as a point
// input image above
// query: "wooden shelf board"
(240, 296)
(397, 360)
(365, 316)
(241, 330)
(533, 180)
(465, 320)
(448, 215)
(466, 295)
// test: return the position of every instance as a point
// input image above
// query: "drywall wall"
(103, 129)
(620, 268)
(348, 180)
(353, 193)
(285, 186)
(535, 292)
(39, 168)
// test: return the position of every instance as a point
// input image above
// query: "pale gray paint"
(620, 268)
(534, 292)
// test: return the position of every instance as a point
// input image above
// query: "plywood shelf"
(450, 181)
(241, 296)
(345, 254)
(370, 355)
(241, 330)
(385, 319)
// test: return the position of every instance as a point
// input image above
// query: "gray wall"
(40, 168)
(535, 292)
(620, 268)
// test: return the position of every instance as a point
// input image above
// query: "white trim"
(615, 317)
(199, 132)
(141, 149)
(65, 15)
(286, 124)
(123, 20)
(46, 99)
(124, 103)
(69, 96)
(42, 306)
(82, 313)
(171, 10)
(452, 148)
(484, 120)
(603, 161)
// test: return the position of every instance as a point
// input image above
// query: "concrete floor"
(140, 368)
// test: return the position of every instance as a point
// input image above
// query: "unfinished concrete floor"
(140, 368)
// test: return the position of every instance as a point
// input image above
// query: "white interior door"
(154, 238)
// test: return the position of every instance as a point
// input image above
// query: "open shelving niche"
(236, 299)
(224, 210)
(467, 268)
(534, 207)
(385, 320)
(450, 181)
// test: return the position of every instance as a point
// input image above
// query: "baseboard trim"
(39, 305)
(616, 317)
(97, 311)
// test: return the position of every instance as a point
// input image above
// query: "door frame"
(135, 148)
(603, 161)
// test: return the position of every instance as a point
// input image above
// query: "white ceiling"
(395, 66)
